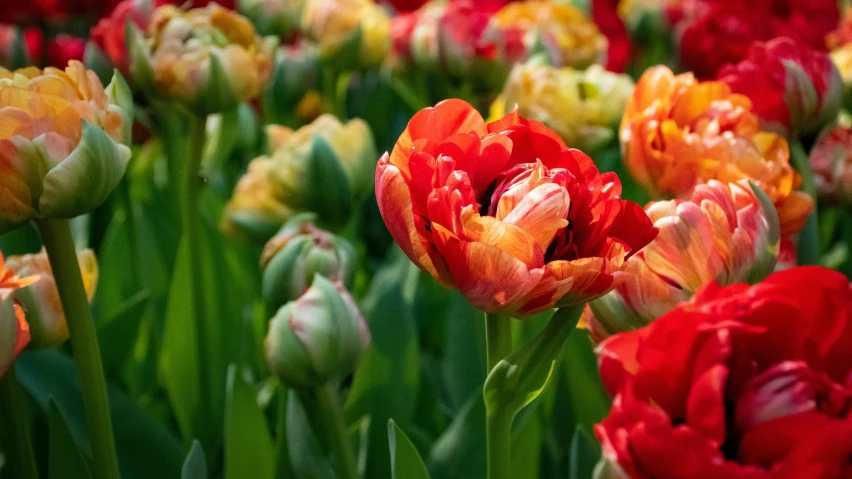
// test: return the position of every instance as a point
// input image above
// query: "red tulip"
(108, 34)
(605, 15)
(793, 88)
(505, 212)
(712, 33)
(64, 48)
(743, 382)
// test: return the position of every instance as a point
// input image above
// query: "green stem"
(498, 338)
(56, 235)
(17, 440)
(808, 247)
(190, 229)
(331, 414)
(283, 469)
(498, 434)
(331, 92)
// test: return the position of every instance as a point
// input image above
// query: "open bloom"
(743, 382)
(350, 33)
(40, 301)
(678, 132)
(831, 161)
(711, 33)
(505, 212)
(563, 32)
(583, 106)
(209, 59)
(60, 145)
(14, 330)
(723, 233)
(793, 88)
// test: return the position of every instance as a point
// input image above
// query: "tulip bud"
(209, 59)
(584, 107)
(292, 97)
(296, 254)
(18, 48)
(831, 160)
(40, 301)
(256, 209)
(273, 17)
(63, 135)
(318, 338)
(727, 233)
(352, 34)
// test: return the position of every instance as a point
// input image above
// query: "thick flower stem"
(190, 229)
(808, 244)
(56, 235)
(498, 338)
(16, 438)
(498, 435)
(330, 413)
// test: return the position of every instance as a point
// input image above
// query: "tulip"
(352, 34)
(19, 48)
(108, 37)
(293, 97)
(584, 107)
(793, 88)
(457, 39)
(209, 59)
(274, 17)
(563, 32)
(677, 133)
(299, 251)
(839, 43)
(725, 233)
(324, 167)
(64, 48)
(741, 382)
(712, 33)
(505, 212)
(606, 16)
(41, 300)
(60, 148)
(831, 160)
(14, 330)
(318, 338)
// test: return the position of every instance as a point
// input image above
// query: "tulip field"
(410, 239)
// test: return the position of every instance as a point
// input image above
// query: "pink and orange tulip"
(726, 233)
(678, 132)
(14, 330)
(61, 151)
(505, 212)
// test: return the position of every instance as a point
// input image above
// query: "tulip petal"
(541, 213)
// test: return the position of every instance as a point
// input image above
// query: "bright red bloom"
(108, 34)
(743, 382)
(715, 32)
(605, 15)
(64, 48)
(505, 212)
(792, 87)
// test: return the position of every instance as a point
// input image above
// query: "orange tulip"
(505, 212)
(14, 331)
(678, 132)
(723, 233)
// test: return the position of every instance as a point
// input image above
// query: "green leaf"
(460, 451)
(248, 445)
(117, 334)
(519, 378)
(584, 455)
(405, 460)
(464, 351)
(145, 449)
(386, 382)
(64, 459)
(181, 368)
(195, 465)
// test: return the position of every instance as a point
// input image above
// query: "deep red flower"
(505, 212)
(715, 32)
(404, 6)
(605, 15)
(792, 87)
(742, 382)
(63, 48)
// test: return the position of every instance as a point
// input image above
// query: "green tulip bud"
(273, 17)
(318, 338)
(299, 251)
(293, 97)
